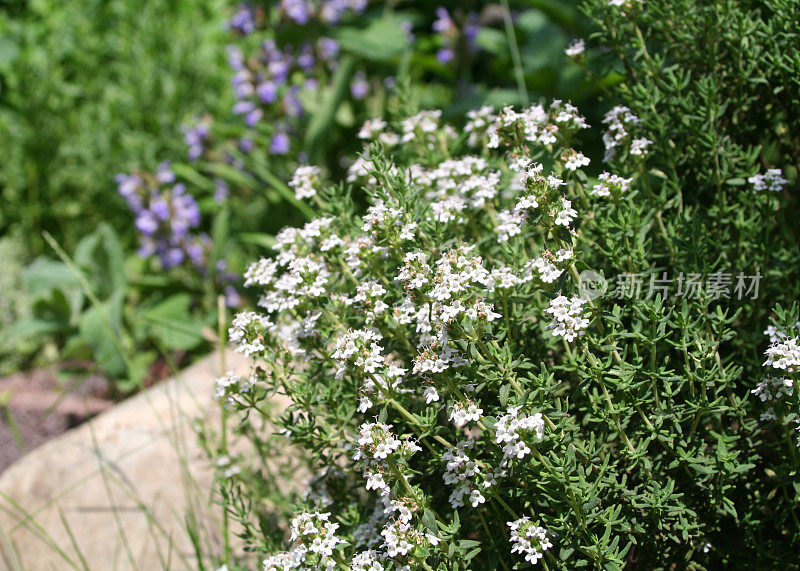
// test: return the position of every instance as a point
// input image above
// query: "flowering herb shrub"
(466, 403)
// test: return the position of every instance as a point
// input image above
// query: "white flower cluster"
(457, 185)
(384, 220)
(512, 428)
(771, 390)
(560, 213)
(567, 320)
(461, 415)
(611, 184)
(465, 474)
(771, 180)
(377, 442)
(784, 355)
(546, 264)
(315, 535)
(249, 330)
(227, 387)
(573, 160)
(305, 181)
(423, 127)
(529, 539)
(536, 124)
(620, 123)
(375, 129)
(478, 121)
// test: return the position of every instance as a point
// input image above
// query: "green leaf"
(321, 122)
(382, 41)
(101, 327)
(429, 521)
(171, 323)
(102, 259)
(189, 174)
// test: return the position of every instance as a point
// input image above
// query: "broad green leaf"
(382, 41)
(171, 322)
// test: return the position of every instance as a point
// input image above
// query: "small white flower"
(576, 48)
(771, 180)
(305, 181)
(431, 395)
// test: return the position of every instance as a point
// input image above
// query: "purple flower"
(408, 27)
(471, 30)
(246, 145)
(160, 208)
(242, 84)
(221, 191)
(297, 10)
(196, 138)
(359, 88)
(172, 257)
(252, 113)
(236, 58)
(244, 21)
(146, 223)
(147, 247)
(164, 216)
(279, 69)
(327, 48)
(280, 144)
(128, 187)
(291, 103)
(232, 297)
(243, 107)
(445, 55)
(306, 57)
(444, 23)
(252, 118)
(164, 174)
(196, 253)
(267, 92)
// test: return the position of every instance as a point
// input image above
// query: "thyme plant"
(490, 367)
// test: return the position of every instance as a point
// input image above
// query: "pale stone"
(141, 457)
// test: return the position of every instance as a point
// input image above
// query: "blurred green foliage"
(89, 88)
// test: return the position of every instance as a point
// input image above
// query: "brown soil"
(35, 407)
